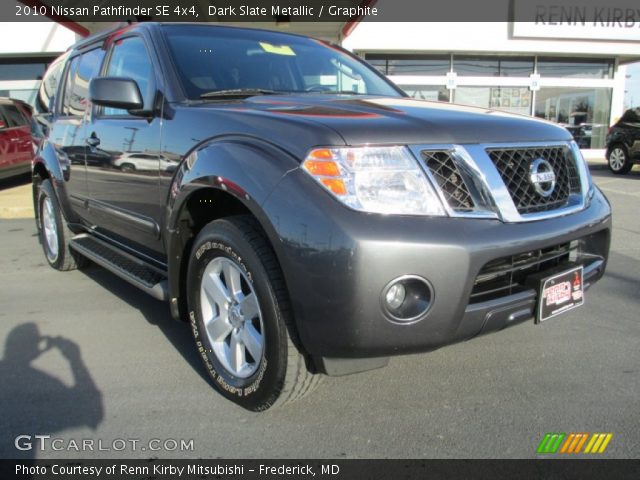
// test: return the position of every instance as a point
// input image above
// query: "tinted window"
(49, 85)
(131, 60)
(210, 58)
(21, 70)
(492, 66)
(13, 116)
(81, 70)
(3, 122)
(562, 67)
(410, 64)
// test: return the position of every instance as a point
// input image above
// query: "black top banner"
(606, 13)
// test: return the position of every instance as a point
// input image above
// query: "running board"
(134, 270)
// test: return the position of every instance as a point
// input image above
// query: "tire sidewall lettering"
(202, 343)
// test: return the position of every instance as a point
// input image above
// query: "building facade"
(26, 50)
(576, 82)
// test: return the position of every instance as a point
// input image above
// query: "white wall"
(34, 37)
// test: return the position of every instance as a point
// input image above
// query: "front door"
(123, 156)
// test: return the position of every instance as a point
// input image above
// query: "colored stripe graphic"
(551, 442)
(573, 443)
(598, 443)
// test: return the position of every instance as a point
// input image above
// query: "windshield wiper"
(239, 92)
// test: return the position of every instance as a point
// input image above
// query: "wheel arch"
(224, 177)
(39, 173)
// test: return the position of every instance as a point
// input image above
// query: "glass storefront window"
(507, 99)
(21, 70)
(27, 95)
(585, 112)
(395, 64)
(483, 66)
(380, 65)
(583, 68)
(436, 93)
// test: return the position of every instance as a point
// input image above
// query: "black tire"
(128, 167)
(64, 258)
(281, 374)
(614, 155)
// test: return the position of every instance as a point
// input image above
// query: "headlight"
(374, 179)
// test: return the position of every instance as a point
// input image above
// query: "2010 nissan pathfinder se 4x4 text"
(298, 210)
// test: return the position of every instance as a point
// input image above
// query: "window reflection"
(584, 112)
(400, 64)
(583, 68)
(435, 93)
(492, 66)
(507, 99)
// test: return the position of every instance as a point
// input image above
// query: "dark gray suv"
(298, 210)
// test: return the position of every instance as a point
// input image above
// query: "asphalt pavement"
(88, 358)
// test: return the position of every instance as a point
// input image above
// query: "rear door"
(68, 131)
(123, 170)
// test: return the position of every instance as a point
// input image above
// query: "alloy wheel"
(232, 317)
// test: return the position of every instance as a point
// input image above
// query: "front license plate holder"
(559, 293)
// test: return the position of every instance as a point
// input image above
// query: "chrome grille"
(513, 165)
(451, 182)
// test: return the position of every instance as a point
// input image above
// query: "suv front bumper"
(336, 263)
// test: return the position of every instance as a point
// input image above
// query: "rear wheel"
(619, 161)
(240, 316)
(54, 233)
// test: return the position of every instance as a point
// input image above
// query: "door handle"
(93, 141)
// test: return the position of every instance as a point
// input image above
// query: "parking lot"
(86, 356)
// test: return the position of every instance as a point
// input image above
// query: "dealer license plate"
(560, 293)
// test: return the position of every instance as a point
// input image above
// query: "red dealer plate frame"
(560, 293)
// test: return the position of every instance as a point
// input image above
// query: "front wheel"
(240, 317)
(619, 161)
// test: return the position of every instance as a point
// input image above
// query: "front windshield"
(210, 59)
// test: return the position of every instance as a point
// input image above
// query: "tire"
(618, 160)
(128, 167)
(53, 232)
(232, 255)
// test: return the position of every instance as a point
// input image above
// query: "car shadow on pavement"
(155, 312)
(36, 403)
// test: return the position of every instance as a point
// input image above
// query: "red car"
(19, 137)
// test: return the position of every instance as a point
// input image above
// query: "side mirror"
(115, 92)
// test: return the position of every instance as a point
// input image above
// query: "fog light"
(407, 299)
(395, 296)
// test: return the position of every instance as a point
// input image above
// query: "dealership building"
(573, 75)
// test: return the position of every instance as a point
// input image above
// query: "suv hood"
(397, 120)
